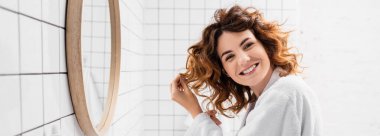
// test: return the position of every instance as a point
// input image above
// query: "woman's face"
(243, 57)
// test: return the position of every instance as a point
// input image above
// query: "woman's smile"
(250, 70)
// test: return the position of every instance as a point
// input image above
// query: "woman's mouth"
(249, 70)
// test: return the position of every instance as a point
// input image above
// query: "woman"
(245, 62)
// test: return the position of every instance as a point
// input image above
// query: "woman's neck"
(258, 89)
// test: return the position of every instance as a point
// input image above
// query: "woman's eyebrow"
(242, 42)
(224, 53)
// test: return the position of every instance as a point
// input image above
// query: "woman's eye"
(229, 57)
(248, 45)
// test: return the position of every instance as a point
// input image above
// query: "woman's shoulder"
(290, 87)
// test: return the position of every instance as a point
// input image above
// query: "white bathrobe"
(287, 107)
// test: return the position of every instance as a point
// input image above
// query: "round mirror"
(96, 55)
(93, 61)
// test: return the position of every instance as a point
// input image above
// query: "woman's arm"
(205, 124)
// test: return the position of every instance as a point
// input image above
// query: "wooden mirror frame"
(74, 67)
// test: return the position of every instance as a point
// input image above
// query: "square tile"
(180, 63)
(164, 92)
(9, 45)
(181, 4)
(150, 47)
(62, 12)
(181, 16)
(151, 32)
(197, 16)
(51, 11)
(50, 43)
(166, 77)
(166, 16)
(51, 97)
(151, 77)
(196, 31)
(228, 3)
(151, 122)
(166, 107)
(53, 129)
(181, 32)
(31, 8)
(166, 47)
(10, 121)
(274, 4)
(198, 4)
(260, 4)
(150, 63)
(150, 3)
(13, 4)
(151, 107)
(212, 4)
(32, 101)
(166, 32)
(166, 132)
(150, 133)
(166, 3)
(151, 92)
(31, 45)
(181, 47)
(166, 122)
(151, 16)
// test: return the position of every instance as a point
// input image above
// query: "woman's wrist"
(196, 111)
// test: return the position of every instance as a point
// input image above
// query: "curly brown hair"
(204, 68)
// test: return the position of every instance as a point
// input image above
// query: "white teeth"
(249, 69)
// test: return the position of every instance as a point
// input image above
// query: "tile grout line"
(19, 66)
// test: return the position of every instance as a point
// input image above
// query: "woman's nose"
(244, 59)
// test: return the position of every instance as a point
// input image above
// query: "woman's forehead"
(234, 38)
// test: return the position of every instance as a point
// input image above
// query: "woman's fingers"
(216, 121)
(183, 85)
(212, 113)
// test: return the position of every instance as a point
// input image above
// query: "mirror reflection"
(96, 55)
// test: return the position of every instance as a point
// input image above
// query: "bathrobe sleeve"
(203, 126)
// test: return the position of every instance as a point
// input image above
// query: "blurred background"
(339, 40)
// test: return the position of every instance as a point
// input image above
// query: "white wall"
(34, 95)
(341, 44)
(339, 41)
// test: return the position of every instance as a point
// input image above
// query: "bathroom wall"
(340, 41)
(170, 27)
(34, 95)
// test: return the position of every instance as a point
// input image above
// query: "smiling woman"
(246, 62)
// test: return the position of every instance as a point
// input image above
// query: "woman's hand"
(181, 94)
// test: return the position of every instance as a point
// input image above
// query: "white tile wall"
(9, 40)
(35, 99)
(32, 101)
(31, 8)
(10, 117)
(30, 45)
